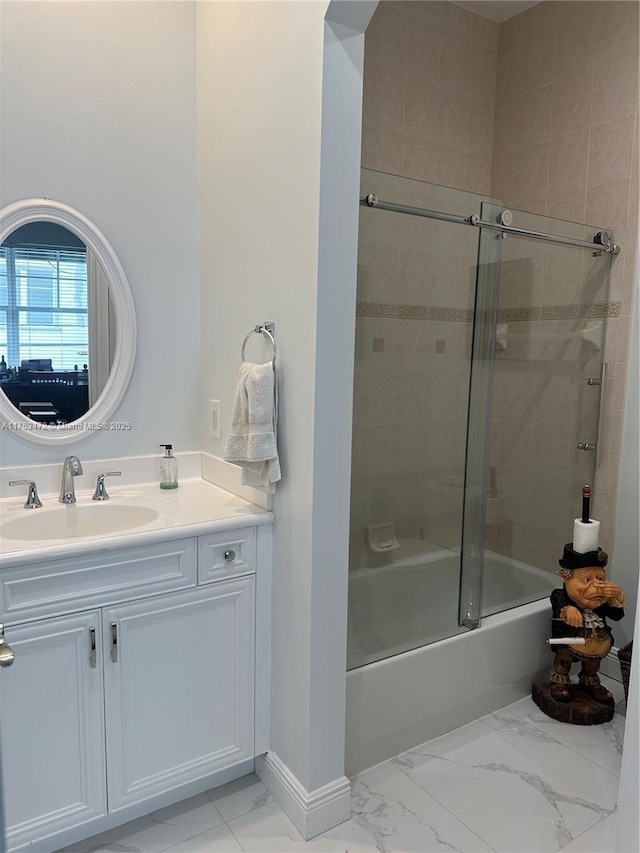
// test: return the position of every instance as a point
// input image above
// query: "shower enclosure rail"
(601, 242)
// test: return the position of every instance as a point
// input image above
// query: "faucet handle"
(100, 493)
(33, 501)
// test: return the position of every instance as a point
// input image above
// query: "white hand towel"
(252, 441)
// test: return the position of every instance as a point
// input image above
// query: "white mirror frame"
(45, 210)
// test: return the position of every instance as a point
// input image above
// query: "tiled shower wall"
(565, 145)
(431, 95)
(429, 100)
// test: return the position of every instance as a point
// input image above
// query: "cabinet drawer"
(59, 586)
(224, 555)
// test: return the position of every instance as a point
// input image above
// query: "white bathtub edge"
(396, 704)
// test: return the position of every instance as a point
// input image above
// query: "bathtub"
(439, 676)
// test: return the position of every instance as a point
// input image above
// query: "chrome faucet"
(70, 469)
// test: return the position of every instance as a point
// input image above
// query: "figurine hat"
(573, 560)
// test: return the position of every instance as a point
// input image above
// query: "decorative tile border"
(413, 312)
(510, 315)
(391, 311)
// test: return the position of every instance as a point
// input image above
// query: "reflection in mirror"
(67, 321)
(57, 330)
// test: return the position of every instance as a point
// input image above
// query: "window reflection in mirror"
(56, 324)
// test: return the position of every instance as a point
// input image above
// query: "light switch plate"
(214, 419)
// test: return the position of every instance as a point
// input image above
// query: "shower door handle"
(602, 382)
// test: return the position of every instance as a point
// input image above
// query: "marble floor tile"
(400, 815)
(599, 839)
(268, 830)
(265, 829)
(218, 840)
(156, 831)
(240, 796)
(601, 744)
(515, 781)
(520, 791)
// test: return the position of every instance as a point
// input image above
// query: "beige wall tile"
(477, 175)
(571, 104)
(418, 158)
(485, 32)
(576, 31)
(421, 53)
(385, 37)
(615, 79)
(538, 53)
(452, 69)
(610, 150)
(371, 450)
(478, 133)
(607, 206)
(378, 227)
(415, 277)
(568, 156)
(566, 205)
(421, 110)
(406, 440)
(616, 19)
(377, 273)
(456, 20)
(538, 17)
(504, 139)
(533, 117)
(622, 350)
(534, 165)
(510, 73)
(534, 151)
(482, 67)
(381, 148)
(626, 291)
(510, 33)
(383, 96)
(451, 119)
(422, 17)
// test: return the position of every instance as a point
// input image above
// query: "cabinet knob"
(229, 555)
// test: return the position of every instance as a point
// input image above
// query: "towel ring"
(262, 329)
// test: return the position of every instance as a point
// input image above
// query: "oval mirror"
(67, 323)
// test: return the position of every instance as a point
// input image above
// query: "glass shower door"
(536, 419)
(416, 285)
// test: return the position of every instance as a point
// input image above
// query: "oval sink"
(68, 522)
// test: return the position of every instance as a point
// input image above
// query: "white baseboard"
(311, 812)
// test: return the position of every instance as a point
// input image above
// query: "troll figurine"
(580, 609)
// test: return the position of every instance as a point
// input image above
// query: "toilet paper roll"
(585, 536)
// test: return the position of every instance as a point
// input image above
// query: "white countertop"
(196, 507)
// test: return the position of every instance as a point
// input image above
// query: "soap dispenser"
(168, 468)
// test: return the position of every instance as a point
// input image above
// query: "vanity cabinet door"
(52, 727)
(178, 688)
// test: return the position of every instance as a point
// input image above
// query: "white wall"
(625, 573)
(260, 75)
(273, 248)
(98, 111)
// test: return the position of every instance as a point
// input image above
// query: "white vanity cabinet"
(51, 713)
(178, 674)
(147, 697)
